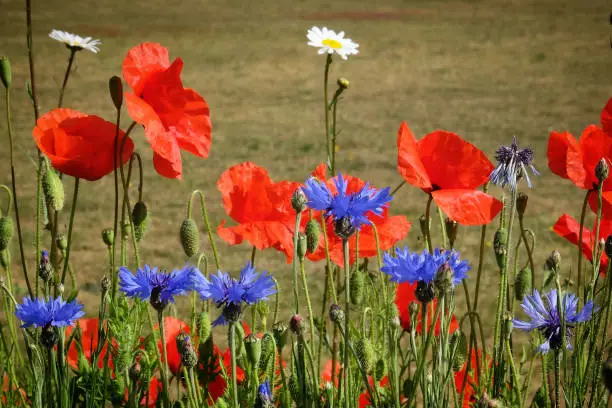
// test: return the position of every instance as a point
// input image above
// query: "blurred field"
(487, 70)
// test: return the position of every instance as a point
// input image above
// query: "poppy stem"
(296, 231)
(597, 253)
(66, 76)
(14, 188)
(232, 346)
(580, 235)
(116, 214)
(396, 189)
(207, 223)
(33, 94)
(75, 196)
(329, 286)
(557, 378)
(164, 363)
(347, 322)
(427, 224)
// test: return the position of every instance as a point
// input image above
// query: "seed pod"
(313, 233)
(190, 237)
(522, 285)
(500, 246)
(381, 369)
(203, 326)
(252, 344)
(6, 232)
(365, 354)
(53, 189)
(357, 287)
(140, 218)
(459, 340)
(301, 246)
(108, 236)
(4, 258)
(115, 86)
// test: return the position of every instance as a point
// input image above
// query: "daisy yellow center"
(332, 43)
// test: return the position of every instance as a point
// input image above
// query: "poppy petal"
(468, 207)
(194, 131)
(569, 228)
(606, 117)
(142, 62)
(409, 161)
(172, 328)
(559, 144)
(453, 163)
(172, 169)
(594, 145)
(262, 235)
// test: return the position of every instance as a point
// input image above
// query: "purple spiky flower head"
(512, 164)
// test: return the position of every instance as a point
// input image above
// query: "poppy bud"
(297, 325)
(62, 242)
(336, 314)
(607, 374)
(553, 261)
(252, 345)
(105, 283)
(5, 72)
(268, 345)
(313, 234)
(602, 170)
(280, 332)
(500, 242)
(189, 358)
(521, 203)
(344, 227)
(301, 246)
(451, 227)
(6, 232)
(522, 284)
(608, 246)
(108, 237)
(425, 292)
(115, 86)
(299, 200)
(365, 354)
(458, 342)
(140, 218)
(380, 369)
(357, 287)
(203, 326)
(4, 258)
(53, 189)
(190, 237)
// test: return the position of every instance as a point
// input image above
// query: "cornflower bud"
(451, 227)
(336, 314)
(6, 232)
(413, 309)
(189, 357)
(312, 235)
(45, 269)
(444, 279)
(521, 203)
(602, 170)
(299, 200)
(105, 284)
(297, 325)
(190, 237)
(500, 243)
(553, 261)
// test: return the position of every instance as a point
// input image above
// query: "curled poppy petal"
(594, 145)
(80, 145)
(142, 62)
(559, 144)
(468, 207)
(409, 161)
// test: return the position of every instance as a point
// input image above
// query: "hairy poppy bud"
(115, 86)
(203, 326)
(500, 246)
(458, 342)
(53, 189)
(508, 325)
(451, 227)
(280, 332)
(301, 246)
(380, 369)
(522, 284)
(268, 345)
(294, 387)
(607, 374)
(62, 242)
(521, 203)
(343, 83)
(6, 232)
(365, 354)
(5, 72)
(108, 237)
(252, 345)
(425, 292)
(299, 200)
(140, 218)
(297, 325)
(553, 261)
(4, 258)
(444, 280)
(313, 234)
(105, 284)
(602, 170)
(336, 314)
(190, 237)
(357, 287)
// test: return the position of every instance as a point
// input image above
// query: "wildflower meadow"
(315, 290)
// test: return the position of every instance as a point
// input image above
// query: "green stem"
(580, 234)
(31, 58)
(427, 226)
(298, 219)
(328, 62)
(396, 189)
(528, 249)
(116, 213)
(75, 197)
(557, 379)
(14, 188)
(66, 76)
(308, 304)
(347, 324)
(232, 345)
(165, 395)
(208, 228)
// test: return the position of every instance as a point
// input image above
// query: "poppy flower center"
(332, 43)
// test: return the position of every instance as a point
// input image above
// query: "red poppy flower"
(155, 386)
(326, 374)
(469, 392)
(450, 169)
(606, 117)
(261, 207)
(569, 228)
(89, 343)
(5, 391)
(364, 398)
(174, 117)
(217, 387)
(172, 328)
(405, 295)
(80, 145)
(391, 229)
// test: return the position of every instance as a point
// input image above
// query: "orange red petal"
(468, 207)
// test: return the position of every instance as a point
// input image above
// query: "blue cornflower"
(265, 399)
(159, 287)
(348, 211)
(412, 267)
(547, 320)
(230, 294)
(512, 163)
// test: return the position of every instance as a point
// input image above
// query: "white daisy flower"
(329, 42)
(76, 42)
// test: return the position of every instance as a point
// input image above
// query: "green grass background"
(487, 70)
